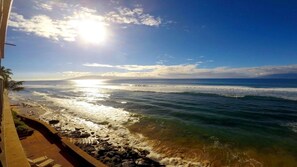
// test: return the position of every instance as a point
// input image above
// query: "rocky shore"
(99, 147)
(106, 152)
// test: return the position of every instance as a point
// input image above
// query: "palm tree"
(15, 85)
(8, 83)
(6, 75)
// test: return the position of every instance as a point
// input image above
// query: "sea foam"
(229, 91)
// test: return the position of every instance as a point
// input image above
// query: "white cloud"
(132, 16)
(149, 20)
(97, 65)
(191, 71)
(45, 6)
(123, 67)
(49, 5)
(64, 25)
(43, 26)
(68, 74)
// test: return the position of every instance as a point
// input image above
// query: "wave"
(229, 91)
(292, 126)
(222, 90)
(106, 122)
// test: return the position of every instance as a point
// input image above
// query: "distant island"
(281, 76)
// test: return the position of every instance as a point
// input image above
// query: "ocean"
(182, 122)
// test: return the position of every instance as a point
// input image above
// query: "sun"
(92, 31)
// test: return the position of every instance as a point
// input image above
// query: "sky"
(59, 39)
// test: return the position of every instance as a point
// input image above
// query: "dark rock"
(53, 121)
(77, 129)
(75, 134)
(128, 163)
(116, 159)
(106, 160)
(133, 153)
(110, 154)
(89, 149)
(121, 153)
(141, 162)
(84, 135)
(101, 151)
(100, 157)
(92, 133)
(143, 153)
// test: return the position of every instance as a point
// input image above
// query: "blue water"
(257, 83)
(253, 116)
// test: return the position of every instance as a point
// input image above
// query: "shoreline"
(104, 148)
(99, 148)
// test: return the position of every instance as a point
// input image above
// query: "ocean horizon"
(225, 122)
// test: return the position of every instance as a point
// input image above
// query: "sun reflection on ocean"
(89, 83)
(93, 89)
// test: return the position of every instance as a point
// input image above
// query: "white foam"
(292, 126)
(230, 91)
(97, 113)
(104, 121)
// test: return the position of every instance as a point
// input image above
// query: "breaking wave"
(229, 91)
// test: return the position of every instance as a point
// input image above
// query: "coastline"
(105, 148)
(100, 148)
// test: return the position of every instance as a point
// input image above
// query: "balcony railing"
(11, 150)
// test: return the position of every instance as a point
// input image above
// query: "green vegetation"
(8, 82)
(22, 129)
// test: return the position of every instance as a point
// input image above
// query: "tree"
(8, 83)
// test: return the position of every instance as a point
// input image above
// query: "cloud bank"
(190, 71)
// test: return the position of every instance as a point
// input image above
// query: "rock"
(101, 158)
(101, 151)
(94, 142)
(75, 134)
(104, 139)
(110, 154)
(144, 153)
(116, 159)
(89, 149)
(77, 129)
(53, 121)
(128, 163)
(92, 133)
(84, 135)
(121, 153)
(141, 162)
(106, 159)
(133, 154)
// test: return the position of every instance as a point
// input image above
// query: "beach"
(86, 139)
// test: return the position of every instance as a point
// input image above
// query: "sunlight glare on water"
(91, 88)
(88, 82)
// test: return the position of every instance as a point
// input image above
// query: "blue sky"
(151, 39)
